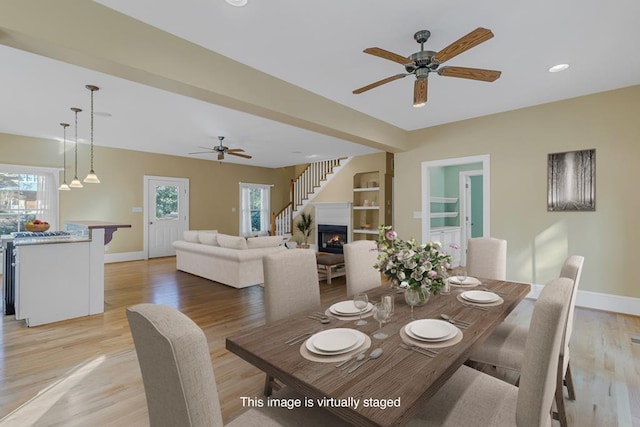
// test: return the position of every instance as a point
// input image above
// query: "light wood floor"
(84, 372)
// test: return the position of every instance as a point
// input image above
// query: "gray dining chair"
(472, 398)
(290, 287)
(487, 258)
(179, 381)
(505, 347)
(359, 260)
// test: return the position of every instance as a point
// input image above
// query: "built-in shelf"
(443, 214)
(365, 231)
(360, 190)
(443, 199)
(366, 208)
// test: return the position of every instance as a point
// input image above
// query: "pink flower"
(454, 246)
(391, 235)
(432, 274)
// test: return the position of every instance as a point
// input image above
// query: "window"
(27, 193)
(254, 209)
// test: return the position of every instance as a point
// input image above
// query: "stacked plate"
(431, 330)
(467, 281)
(348, 308)
(480, 297)
(332, 342)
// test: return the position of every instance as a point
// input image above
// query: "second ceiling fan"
(424, 62)
(222, 150)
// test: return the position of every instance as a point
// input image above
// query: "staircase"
(302, 191)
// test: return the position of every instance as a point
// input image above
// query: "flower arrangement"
(409, 264)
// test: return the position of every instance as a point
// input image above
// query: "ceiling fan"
(222, 150)
(424, 62)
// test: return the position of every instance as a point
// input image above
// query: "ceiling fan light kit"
(422, 63)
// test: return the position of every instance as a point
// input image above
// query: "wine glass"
(381, 313)
(361, 301)
(412, 297)
(461, 275)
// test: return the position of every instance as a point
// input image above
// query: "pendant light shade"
(92, 178)
(76, 182)
(64, 186)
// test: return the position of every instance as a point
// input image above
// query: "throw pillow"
(232, 242)
(191, 236)
(208, 238)
(264, 242)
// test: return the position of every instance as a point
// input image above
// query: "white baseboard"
(124, 256)
(599, 301)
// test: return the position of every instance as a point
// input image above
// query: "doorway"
(471, 207)
(166, 214)
(446, 202)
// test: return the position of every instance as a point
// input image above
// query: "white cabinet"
(448, 236)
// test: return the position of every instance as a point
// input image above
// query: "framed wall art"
(571, 179)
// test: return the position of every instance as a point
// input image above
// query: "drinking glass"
(361, 301)
(461, 274)
(381, 313)
(412, 297)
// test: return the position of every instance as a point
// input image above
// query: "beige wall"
(518, 143)
(214, 189)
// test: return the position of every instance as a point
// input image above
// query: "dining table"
(390, 389)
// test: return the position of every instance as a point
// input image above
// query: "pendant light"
(92, 178)
(64, 186)
(76, 182)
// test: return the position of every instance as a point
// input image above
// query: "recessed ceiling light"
(558, 68)
(102, 114)
(237, 3)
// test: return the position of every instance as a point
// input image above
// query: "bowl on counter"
(37, 227)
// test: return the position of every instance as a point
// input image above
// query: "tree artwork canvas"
(571, 181)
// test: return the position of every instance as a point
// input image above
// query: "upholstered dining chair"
(290, 287)
(179, 381)
(505, 347)
(487, 258)
(359, 259)
(472, 398)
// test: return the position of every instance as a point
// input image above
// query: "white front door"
(166, 212)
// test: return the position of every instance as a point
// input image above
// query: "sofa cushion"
(191, 236)
(232, 242)
(264, 242)
(208, 238)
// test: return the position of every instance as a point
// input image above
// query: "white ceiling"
(318, 46)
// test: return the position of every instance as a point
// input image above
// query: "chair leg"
(568, 379)
(561, 415)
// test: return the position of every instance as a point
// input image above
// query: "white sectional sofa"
(232, 260)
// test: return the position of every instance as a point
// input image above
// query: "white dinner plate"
(469, 281)
(408, 331)
(431, 329)
(335, 341)
(348, 308)
(480, 296)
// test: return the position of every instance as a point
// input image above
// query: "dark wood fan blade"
(420, 92)
(470, 73)
(385, 54)
(235, 150)
(239, 155)
(463, 44)
(379, 83)
(220, 156)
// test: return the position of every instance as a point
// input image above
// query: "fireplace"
(331, 238)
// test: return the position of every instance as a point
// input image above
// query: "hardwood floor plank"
(84, 372)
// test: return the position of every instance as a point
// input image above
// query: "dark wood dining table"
(399, 377)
